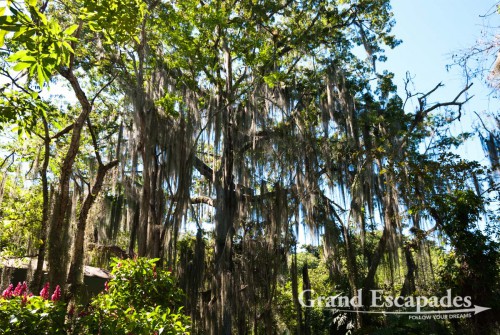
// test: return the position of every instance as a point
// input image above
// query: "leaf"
(2, 37)
(32, 3)
(71, 29)
(21, 66)
(68, 47)
(32, 70)
(20, 32)
(41, 76)
(42, 17)
(18, 55)
(57, 125)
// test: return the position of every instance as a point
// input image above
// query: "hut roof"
(30, 262)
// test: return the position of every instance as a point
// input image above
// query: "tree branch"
(102, 89)
(94, 141)
(203, 200)
(63, 132)
(204, 169)
(6, 158)
(422, 113)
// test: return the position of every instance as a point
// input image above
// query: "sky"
(432, 31)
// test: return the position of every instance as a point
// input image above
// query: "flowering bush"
(140, 299)
(23, 313)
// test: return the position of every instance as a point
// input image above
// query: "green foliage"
(471, 268)
(140, 299)
(34, 316)
(321, 321)
(170, 104)
(22, 313)
(22, 108)
(118, 20)
(41, 44)
(397, 325)
(20, 216)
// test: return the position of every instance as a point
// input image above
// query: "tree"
(256, 118)
(41, 46)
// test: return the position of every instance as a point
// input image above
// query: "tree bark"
(295, 292)
(38, 275)
(306, 285)
(409, 283)
(75, 276)
(58, 266)
(225, 212)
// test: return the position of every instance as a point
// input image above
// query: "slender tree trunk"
(377, 256)
(58, 223)
(144, 117)
(226, 204)
(144, 212)
(390, 229)
(133, 209)
(352, 269)
(75, 276)
(38, 276)
(295, 293)
(409, 283)
(306, 285)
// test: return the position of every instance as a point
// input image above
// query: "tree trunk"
(58, 224)
(225, 212)
(38, 276)
(75, 276)
(144, 212)
(295, 292)
(409, 283)
(306, 285)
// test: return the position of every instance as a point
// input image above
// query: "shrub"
(23, 313)
(140, 299)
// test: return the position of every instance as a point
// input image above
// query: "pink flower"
(154, 270)
(106, 286)
(20, 289)
(44, 293)
(57, 294)
(24, 300)
(7, 293)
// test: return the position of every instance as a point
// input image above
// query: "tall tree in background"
(248, 119)
(482, 61)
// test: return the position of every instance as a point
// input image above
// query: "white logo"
(435, 307)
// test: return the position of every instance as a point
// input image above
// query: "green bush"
(23, 313)
(139, 299)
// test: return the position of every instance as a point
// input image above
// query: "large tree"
(248, 119)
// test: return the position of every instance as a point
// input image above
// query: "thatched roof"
(30, 262)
